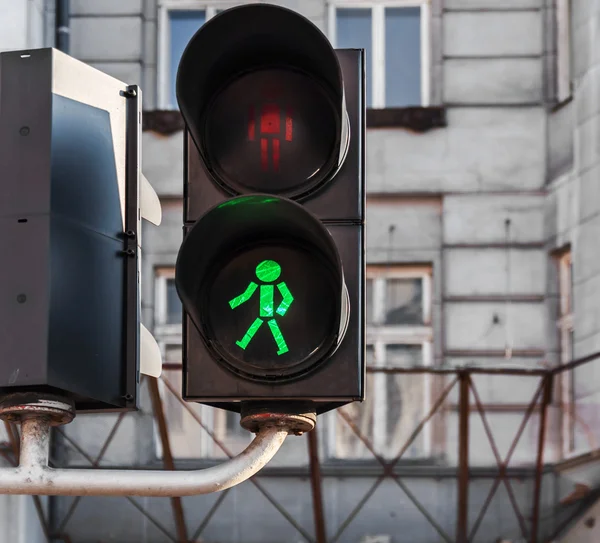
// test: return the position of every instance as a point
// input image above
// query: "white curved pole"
(33, 476)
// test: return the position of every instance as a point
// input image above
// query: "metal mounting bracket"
(33, 475)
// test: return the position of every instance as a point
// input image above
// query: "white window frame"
(213, 418)
(565, 327)
(170, 335)
(378, 42)
(563, 50)
(164, 332)
(164, 41)
(380, 336)
(189, 426)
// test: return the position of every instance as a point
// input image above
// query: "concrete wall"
(246, 516)
(111, 36)
(23, 24)
(574, 201)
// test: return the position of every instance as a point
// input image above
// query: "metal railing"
(466, 529)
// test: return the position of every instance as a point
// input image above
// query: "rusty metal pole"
(315, 484)
(159, 415)
(13, 435)
(462, 520)
(540, 458)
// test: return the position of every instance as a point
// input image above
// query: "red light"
(288, 124)
(270, 124)
(270, 119)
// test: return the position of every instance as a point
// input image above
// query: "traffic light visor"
(261, 91)
(262, 281)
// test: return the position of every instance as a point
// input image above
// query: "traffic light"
(71, 201)
(271, 268)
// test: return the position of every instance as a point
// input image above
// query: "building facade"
(483, 214)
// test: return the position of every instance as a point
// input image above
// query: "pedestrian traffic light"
(271, 269)
(71, 201)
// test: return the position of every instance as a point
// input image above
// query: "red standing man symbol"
(270, 131)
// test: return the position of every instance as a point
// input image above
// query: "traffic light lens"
(269, 315)
(267, 290)
(273, 131)
(268, 271)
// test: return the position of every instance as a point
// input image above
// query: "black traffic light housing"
(69, 223)
(274, 177)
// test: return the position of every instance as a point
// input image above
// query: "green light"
(250, 333)
(247, 200)
(244, 297)
(278, 336)
(287, 299)
(267, 272)
(266, 300)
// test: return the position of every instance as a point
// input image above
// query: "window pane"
(571, 308)
(393, 408)
(182, 26)
(173, 409)
(185, 434)
(3, 435)
(353, 29)
(402, 57)
(405, 356)
(404, 411)
(347, 442)
(571, 346)
(233, 428)
(188, 438)
(404, 401)
(370, 355)
(174, 310)
(369, 302)
(404, 301)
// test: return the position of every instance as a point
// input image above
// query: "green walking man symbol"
(267, 271)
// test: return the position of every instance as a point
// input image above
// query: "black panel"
(85, 353)
(84, 175)
(69, 300)
(25, 126)
(24, 303)
(343, 199)
(132, 309)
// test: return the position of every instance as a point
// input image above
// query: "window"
(178, 22)
(563, 50)
(168, 312)
(395, 35)
(187, 438)
(399, 334)
(3, 437)
(565, 327)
